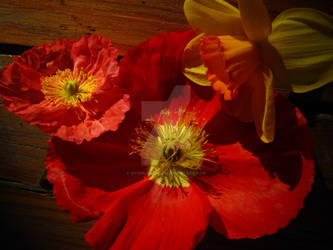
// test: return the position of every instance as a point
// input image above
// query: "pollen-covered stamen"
(69, 88)
(176, 146)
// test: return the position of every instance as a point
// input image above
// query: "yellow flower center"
(175, 146)
(69, 88)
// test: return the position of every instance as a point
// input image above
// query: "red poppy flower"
(219, 174)
(67, 88)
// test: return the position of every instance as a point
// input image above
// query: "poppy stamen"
(69, 88)
(175, 145)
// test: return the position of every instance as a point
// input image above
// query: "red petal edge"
(147, 216)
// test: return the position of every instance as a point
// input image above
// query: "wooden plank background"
(29, 215)
(126, 23)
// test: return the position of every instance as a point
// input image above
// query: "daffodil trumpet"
(243, 56)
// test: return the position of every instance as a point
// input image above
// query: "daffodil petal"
(304, 40)
(213, 17)
(262, 104)
(255, 19)
(193, 67)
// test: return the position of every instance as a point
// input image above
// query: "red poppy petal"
(82, 202)
(48, 58)
(76, 124)
(91, 128)
(103, 233)
(19, 87)
(83, 175)
(162, 218)
(152, 69)
(261, 187)
(252, 202)
(20, 81)
(204, 110)
(96, 55)
(188, 100)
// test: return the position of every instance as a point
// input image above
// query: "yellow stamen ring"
(175, 147)
(69, 88)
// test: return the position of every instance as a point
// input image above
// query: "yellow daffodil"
(242, 55)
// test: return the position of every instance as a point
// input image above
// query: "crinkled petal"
(97, 55)
(304, 40)
(152, 69)
(255, 19)
(260, 187)
(92, 127)
(84, 175)
(78, 124)
(161, 218)
(213, 17)
(47, 58)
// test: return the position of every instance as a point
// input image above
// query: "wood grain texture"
(125, 23)
(32, 221)
(23, 147)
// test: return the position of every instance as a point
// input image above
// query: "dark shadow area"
(13, 49)
(314, 102)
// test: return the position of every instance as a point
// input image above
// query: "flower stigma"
(69, 88)
(175, 145)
